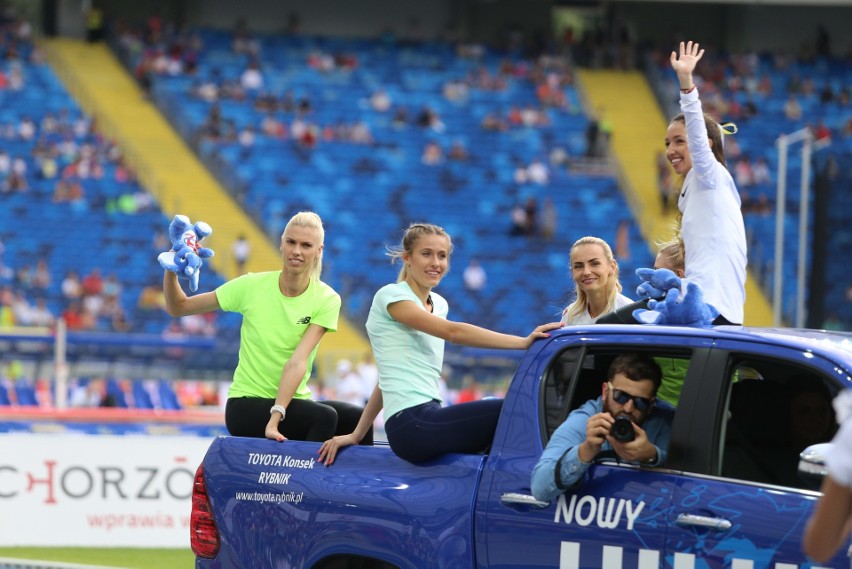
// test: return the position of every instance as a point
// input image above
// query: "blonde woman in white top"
(595, 274)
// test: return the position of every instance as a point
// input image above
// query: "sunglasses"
(622, 397)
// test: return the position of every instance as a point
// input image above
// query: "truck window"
(577, 375)
(775, 410)
(556, 395)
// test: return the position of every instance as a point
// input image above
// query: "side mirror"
(812, 468)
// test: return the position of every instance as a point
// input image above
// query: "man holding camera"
(620, 420)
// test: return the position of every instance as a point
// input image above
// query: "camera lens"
(622, 429)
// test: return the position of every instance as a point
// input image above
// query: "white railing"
(809, 145)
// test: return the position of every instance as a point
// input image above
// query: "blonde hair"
(310, 220)
(414, 232)
(674, 253)
(581, 304)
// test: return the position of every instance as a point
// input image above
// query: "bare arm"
(703, 160)
(178, 304)
(291, 376)
(830, 521)
(408, 313)
(329, 449)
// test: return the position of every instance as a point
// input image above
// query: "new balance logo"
(304, 320)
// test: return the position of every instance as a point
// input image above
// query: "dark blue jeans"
(426, 431)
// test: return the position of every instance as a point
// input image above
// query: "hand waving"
(690, 54)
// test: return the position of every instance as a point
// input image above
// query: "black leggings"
(426, 431)
(306, 420)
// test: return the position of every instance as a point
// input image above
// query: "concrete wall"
(737, 26)
(328, 17)
(726, 25)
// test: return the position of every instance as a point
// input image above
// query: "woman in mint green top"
(285, 315)
(408, 326)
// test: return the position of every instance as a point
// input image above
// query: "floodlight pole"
(784, 141)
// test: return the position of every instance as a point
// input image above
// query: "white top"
(586, 318)
(241, 250)
(351, 389)
(474, 277)
(712, 228)
(839, 462)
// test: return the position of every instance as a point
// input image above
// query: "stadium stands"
(374, 136)
(77, 207)
(71, 205)
(328, 145)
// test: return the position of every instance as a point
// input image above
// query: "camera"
(622, 429)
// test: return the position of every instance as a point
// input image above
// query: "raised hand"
(685, 63)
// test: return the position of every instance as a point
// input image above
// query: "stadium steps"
(638, 132)
(169, 169)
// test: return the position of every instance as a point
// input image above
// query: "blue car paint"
(370, 503)
(454, 512)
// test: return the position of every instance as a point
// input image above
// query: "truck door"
(746, 506)
(615, 519)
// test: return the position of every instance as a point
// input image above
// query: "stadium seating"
(110, 227)
(367, 193)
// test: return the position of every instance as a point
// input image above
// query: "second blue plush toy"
(185, 258)
(656, 282)
(691, 310)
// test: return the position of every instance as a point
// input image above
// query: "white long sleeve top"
(713, 230)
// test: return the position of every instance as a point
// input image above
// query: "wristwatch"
(280, 408)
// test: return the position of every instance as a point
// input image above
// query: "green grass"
(132, 558)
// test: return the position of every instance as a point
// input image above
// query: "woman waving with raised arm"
(711, 221)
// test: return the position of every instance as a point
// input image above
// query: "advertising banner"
(97, 491)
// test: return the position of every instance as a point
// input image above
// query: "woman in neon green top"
(408, 326)
(285, 315)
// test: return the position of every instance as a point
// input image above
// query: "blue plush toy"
(656, 282)
(185, 258)
(690, 310)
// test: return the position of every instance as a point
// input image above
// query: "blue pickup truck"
(731, 495)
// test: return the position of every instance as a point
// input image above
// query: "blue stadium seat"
(168, 398)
